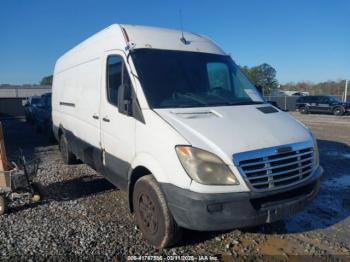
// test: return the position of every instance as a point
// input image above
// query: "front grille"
(272, 170)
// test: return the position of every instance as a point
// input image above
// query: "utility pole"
(346, 91)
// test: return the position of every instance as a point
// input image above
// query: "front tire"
(303, 110)
(152, 214)
(338, 111)
(67, 156)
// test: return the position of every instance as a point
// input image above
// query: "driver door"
(117, 129)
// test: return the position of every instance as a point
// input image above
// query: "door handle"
(95, 116)
(105, 119)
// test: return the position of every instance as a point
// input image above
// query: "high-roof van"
(170, 118)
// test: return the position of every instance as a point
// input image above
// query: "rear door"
(324, 104)
(117, 129)
(312, 103)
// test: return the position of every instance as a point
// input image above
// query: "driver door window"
(117, 74)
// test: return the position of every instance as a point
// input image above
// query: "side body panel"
(155, 149)
(76, 100)
(76, 94)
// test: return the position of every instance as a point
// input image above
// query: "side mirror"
(125, 99)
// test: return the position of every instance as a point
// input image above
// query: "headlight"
(204, 167)
(316, 153)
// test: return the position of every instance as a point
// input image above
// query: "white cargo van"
(170, 118)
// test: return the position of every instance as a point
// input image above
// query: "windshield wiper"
(248, 103)
(237, 103)
(193, 97)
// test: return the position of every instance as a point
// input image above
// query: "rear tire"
(67, 156)
(3, 205)
(338, 111)
(304, 110)
(152, 214)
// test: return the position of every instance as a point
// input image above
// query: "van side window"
(114, 78)
(117, 74)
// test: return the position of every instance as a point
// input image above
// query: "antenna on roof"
(183, 39)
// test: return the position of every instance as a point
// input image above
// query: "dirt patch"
(276, 246)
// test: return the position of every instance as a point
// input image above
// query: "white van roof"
(122, 36)
(163, 38)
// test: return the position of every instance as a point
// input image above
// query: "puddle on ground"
(338, 154)
(331, 206)
(338, 181)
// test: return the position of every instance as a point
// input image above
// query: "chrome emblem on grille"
(285, 149)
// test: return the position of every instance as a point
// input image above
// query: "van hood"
(229, 130)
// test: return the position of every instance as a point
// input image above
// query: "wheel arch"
(144, 164)
(341, 107)
(60, 131)
(136, 174)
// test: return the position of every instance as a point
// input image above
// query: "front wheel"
(152, 214)
(338, 111)
(304, 110)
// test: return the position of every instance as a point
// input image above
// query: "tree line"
(46, 80)
(264, 77)
(322, 88)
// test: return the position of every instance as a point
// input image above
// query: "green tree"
(46, 81)
(262, 75)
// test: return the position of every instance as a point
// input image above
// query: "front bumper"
(222, 211)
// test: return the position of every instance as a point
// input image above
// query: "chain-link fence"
(19, 92)
(289, 102)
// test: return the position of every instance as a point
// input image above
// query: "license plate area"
(283, 211)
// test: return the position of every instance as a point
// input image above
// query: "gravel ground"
(83, 217)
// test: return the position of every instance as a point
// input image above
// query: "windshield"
(192, 79)
(45, 100)
(35, 100)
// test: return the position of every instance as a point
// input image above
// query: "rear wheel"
(152, 214)
(338, 111)
(3, 205)
(304, 110)
(67, 156)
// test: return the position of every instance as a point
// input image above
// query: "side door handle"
(95, 116)
(106, 119)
